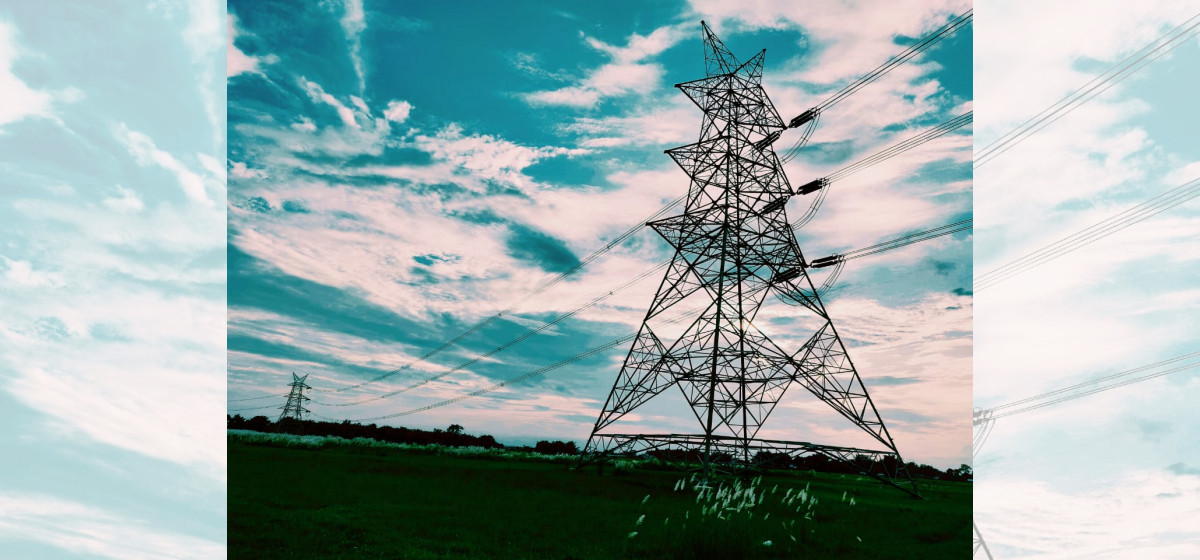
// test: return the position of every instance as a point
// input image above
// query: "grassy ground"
(348, 502)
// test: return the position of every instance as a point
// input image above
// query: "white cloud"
(627, 73)
(670, 124)
(127, 201)
(353, 24)
(21, 274)
(144, 150)
(82, 529)
(318, 95)
(203, 31)
(236, 61)
(21, 101)
(1143, 514)
(397, 111)
(241, 171)
(488, 157)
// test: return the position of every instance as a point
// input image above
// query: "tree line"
(455, 436)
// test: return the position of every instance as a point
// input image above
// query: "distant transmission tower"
(294, 408)
(733, 248)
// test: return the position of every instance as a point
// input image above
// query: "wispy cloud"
(628, 70)
(354, 22)
(81, 529)
(146, 153)
(20, 100)
(236, 61)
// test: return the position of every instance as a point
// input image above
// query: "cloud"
(127, 201)
(487, 157)
(670, 124)
(242, 171)
(318, 95)
(82, 383)
(22, 274)
(203, 31)
(144, 150)
(626, 73)
(238, 62)
(81, 529)
(397, 111)
(20, 100)
(1123, 519)
(353, 23)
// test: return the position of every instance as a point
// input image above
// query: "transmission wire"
(1090, 234)
(1086, 92)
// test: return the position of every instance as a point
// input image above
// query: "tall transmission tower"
(733, 248)
(294, 407)
(982, 420)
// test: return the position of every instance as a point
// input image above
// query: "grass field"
(376, 502)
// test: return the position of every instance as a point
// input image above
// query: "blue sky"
(397, 173)
(1114, 475)
(112, 280)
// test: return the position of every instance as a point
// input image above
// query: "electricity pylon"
(734, 247)
(294, 407)
(982, 420)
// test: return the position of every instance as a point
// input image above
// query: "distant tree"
(259, 424)
(455, 429)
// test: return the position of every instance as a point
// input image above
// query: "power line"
(901, 147)
(920, 46)
(811, 115)
(880, 247)
(255, 408)
(873, 159)
(917, 48)
(1113, 224)
(909, 239)
(822, 185)
(1101, 83)
(531, 332)
(1119, 379)
(877, 248)
(542, 288)
(257, 398)
(540, 371)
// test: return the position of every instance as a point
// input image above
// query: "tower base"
(721, 452)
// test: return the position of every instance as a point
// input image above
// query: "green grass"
(363, 502)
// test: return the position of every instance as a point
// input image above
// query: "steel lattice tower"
(982, 420)
(294, 407)
(734, 247)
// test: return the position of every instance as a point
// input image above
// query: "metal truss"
(739, 454)
(294, 407)
(982, 420)
(977, 543)
(734, 246)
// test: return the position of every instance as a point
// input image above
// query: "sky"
(1117, 474)
(112, 280)
(398, 172)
